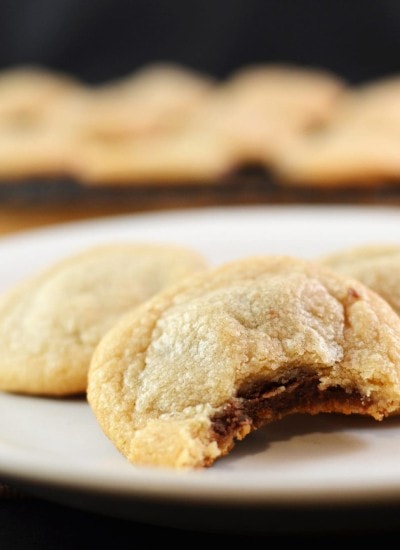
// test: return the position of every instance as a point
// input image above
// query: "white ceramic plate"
(56, 449)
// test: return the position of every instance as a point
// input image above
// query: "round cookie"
(375, 265)
(177, 381)
(51, 323)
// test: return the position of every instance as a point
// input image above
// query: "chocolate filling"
(265, 402)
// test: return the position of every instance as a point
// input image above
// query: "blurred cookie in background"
(261, 108)
(372, 106)
(35, 124)
(179, 157)
(152, 98)
(359, 146)
(26, 91)
(339, 158)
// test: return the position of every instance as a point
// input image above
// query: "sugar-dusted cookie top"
(204, 363)
(375, 265)
(51, 323)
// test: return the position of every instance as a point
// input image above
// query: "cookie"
(37, 110)
(373, 106)
(26, 91)
(358, 147)
(175, 383)
(261, 108)
(339, 158)
(154, 97)
(51, 323)
(181, 157)
(289, 88)
(33, 150)
(375, 265)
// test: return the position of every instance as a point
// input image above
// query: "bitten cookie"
(201, 365)
(375, 265)
(51, 323)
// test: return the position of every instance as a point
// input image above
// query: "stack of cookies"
(179, 360)
(165, 124)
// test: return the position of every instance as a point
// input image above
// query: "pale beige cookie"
(375, 265)
(141, 130)
(200, 365)
(39, 120)
(373, 106)
(340, 158)
(50, 323)
(358, 147)
(180, 157)
(262, 108)
(26, 91)
(154, 97)
(293, 90)
(33, 150)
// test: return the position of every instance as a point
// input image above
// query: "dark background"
(102, 39)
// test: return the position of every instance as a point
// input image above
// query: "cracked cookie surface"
(176, 382)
